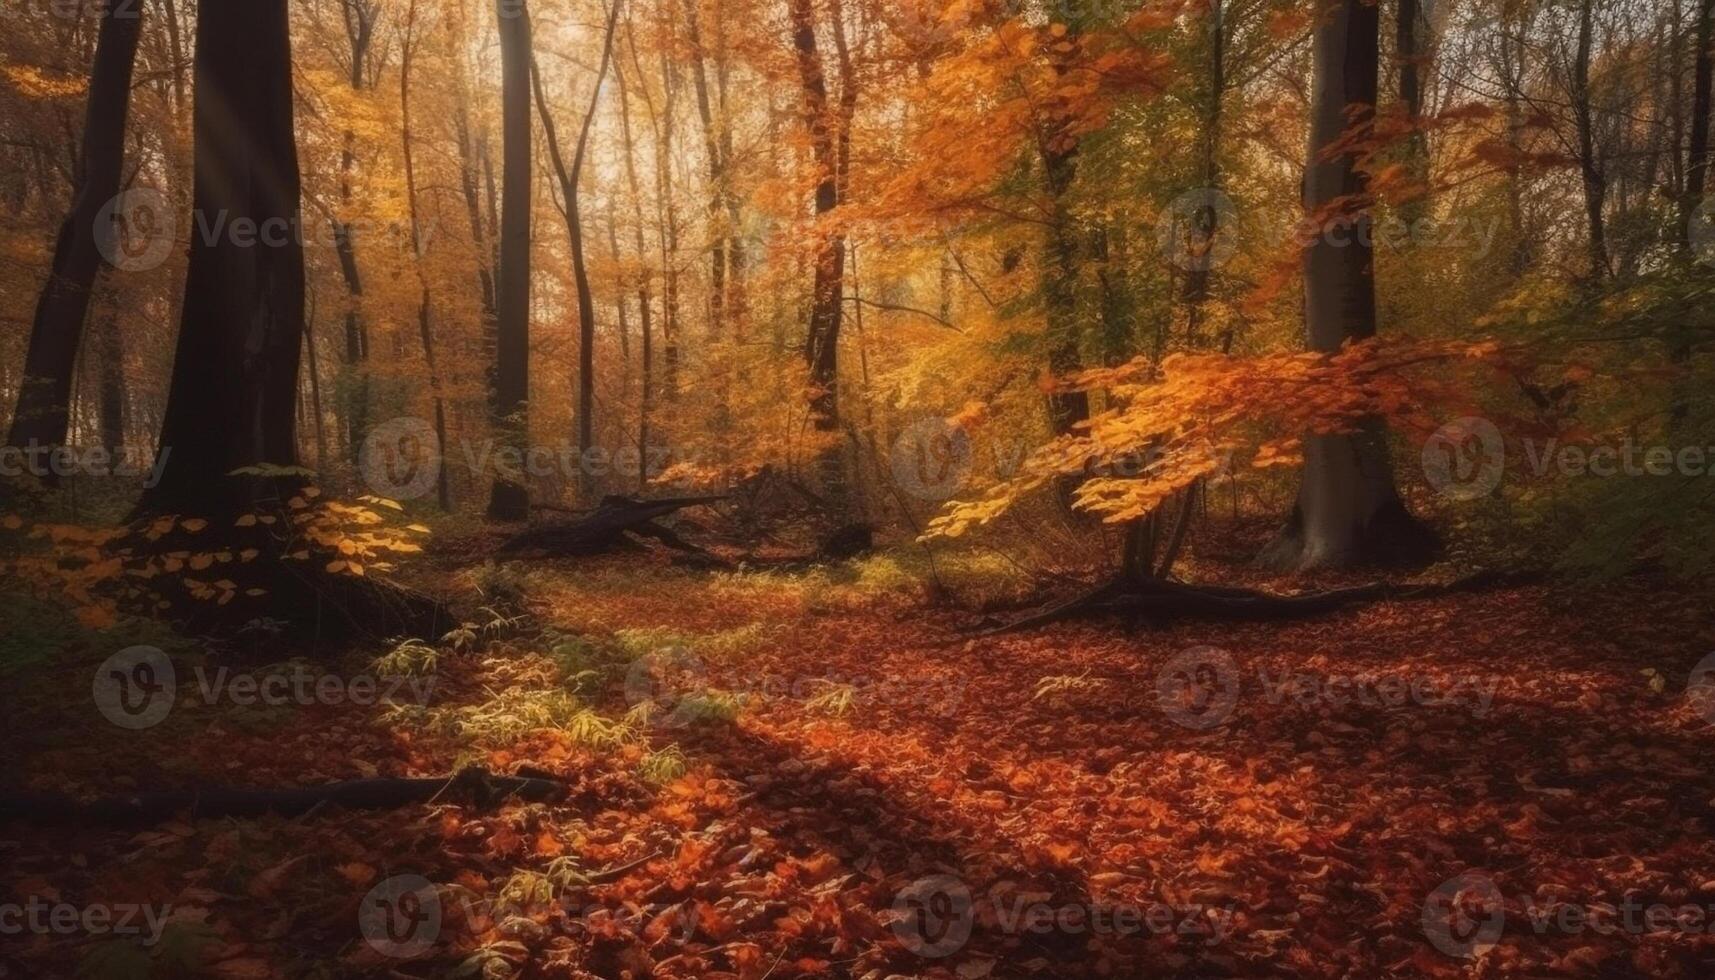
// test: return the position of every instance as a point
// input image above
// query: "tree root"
(1163, 600)
(474, 787)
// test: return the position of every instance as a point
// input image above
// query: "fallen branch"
(1169, 600)
(610, 527)
(474, 787)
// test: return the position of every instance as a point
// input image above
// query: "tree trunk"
(570, 179)
(510, 498)
(1697, 159)
(360, 21)
(646, 402)
(1590, 169)
(235, 374)
(1058, 149)
(419, 245)
(1349, 512)
(44, 396)
(822, 343)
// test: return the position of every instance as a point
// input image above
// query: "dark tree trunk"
(1697, 159)
(1061, 262)
(235, 374)
(112, 356)
(44, 396)
(570, 180)
(360, 22)
(822, 343)
(510, 499)
(1349, 512)
(419, 246)
(1590, 168)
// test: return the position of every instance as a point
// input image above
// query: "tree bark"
(1590, 168)
(1697, 157)
(361, 17)
(419, 246)
(42, 412)
(1348, 512)
(822, 343)
(510, 498)
(235, 374)
(570, 180)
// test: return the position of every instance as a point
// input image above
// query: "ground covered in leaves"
(824, 773)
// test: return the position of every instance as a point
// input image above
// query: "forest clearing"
(607, 489)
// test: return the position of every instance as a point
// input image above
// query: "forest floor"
(838, 780)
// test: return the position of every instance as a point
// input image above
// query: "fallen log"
(474, 787)
(616, 524)
(1164, 600)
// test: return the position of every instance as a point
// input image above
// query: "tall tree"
(1697, 157)
(235, 374)
(410, 41)
(361, 18)
(571, 179)
(44, 397)
(510, 498)
(822, 343)
(1348, 512)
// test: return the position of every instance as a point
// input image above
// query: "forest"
(752, 489)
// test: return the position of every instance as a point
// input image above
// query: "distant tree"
(44, 397)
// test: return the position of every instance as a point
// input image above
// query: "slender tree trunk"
(716, 169)
(478, 230)
(669, 217)
(1697, 157)
(112, 357)
(234, 387)
(1058, 149)
(1205, 224)
(41, 416)
(360, 22)
(1349, 512)
(570, 179)
(646, 401)
(1590, 168)
(425, 310)
(510, 498)
(821, 348)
